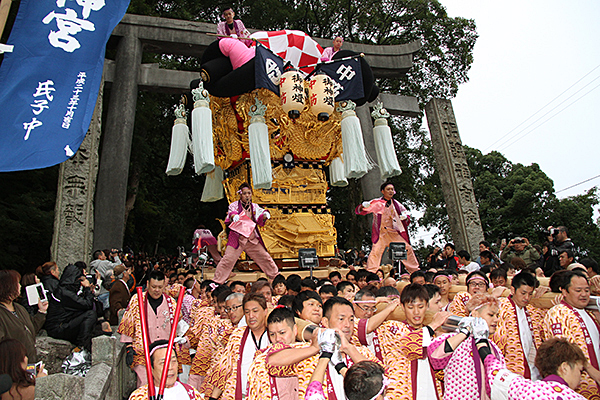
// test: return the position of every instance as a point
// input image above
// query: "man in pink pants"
(390, 224)
(240, 240)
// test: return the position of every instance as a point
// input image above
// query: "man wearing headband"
(570, 319)
(174, 390)
(251, 243)
(160, 310)
(477, 282)
(519, 327)
(390, 224)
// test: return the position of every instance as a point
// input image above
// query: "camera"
(91, 278)
(518, 240)
(552, 232)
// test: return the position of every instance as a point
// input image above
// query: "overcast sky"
(527, 54)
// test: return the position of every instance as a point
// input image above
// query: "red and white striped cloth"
(294, 46)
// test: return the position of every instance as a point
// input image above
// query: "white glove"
(180, 340)
(336, 358)
(327, 340)
(233, 35)
(236, 218)
(366, 204)
(403, 216)
(466, 325)
(267, 215)
(480, 329)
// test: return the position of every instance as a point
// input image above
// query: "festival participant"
(160, 310)
(267, 381)
(210, 335)
(346, 290)
(443, 280)
(457, 355)
(390, 224)
(238, 242)
(365, 304)
(329, 52)
(309, 306)
(233, 27)
(204, 238)
(477, 282)
(262, 287)
(279, 288)
(229, 377)
(518, 334)
(174, 390)
(559, 361)
(416, 379)
(571, 320)
(338, 314)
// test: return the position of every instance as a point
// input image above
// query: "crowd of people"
(447, 330)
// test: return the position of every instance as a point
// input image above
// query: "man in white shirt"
(464, 258)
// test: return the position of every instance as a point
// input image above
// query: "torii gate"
(92, 185)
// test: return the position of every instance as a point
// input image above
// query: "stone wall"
(109, 378)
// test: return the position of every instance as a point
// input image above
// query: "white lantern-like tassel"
(213, 186)
(180, 141)
(321, 95)
(291, 92)
(386, 154)
(260, 154)
(337, 175)
(202, 135)
(356, 163)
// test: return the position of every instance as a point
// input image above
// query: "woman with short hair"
(13, 362)
(15, 321)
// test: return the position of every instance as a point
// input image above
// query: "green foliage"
(27, 217)
(167, 209)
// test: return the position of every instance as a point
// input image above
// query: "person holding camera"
(520, 247)
(559, 243)
(71, 314)
(101, 263)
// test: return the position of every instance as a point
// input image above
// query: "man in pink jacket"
(390, 224)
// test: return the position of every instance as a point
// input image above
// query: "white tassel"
(180, 140)
(260, 154)
(213, 186)
(202, 135)
(337, 175)
(386, 154)
(356, 163)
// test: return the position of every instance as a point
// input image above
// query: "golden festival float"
(290, 141)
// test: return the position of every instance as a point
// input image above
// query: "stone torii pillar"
(111, 189)
(406, 106)
(455, 176)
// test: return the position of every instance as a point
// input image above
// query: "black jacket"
(50, 283)
(65, 303)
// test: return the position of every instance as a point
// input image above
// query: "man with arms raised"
(390, 224)
(571, 320)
